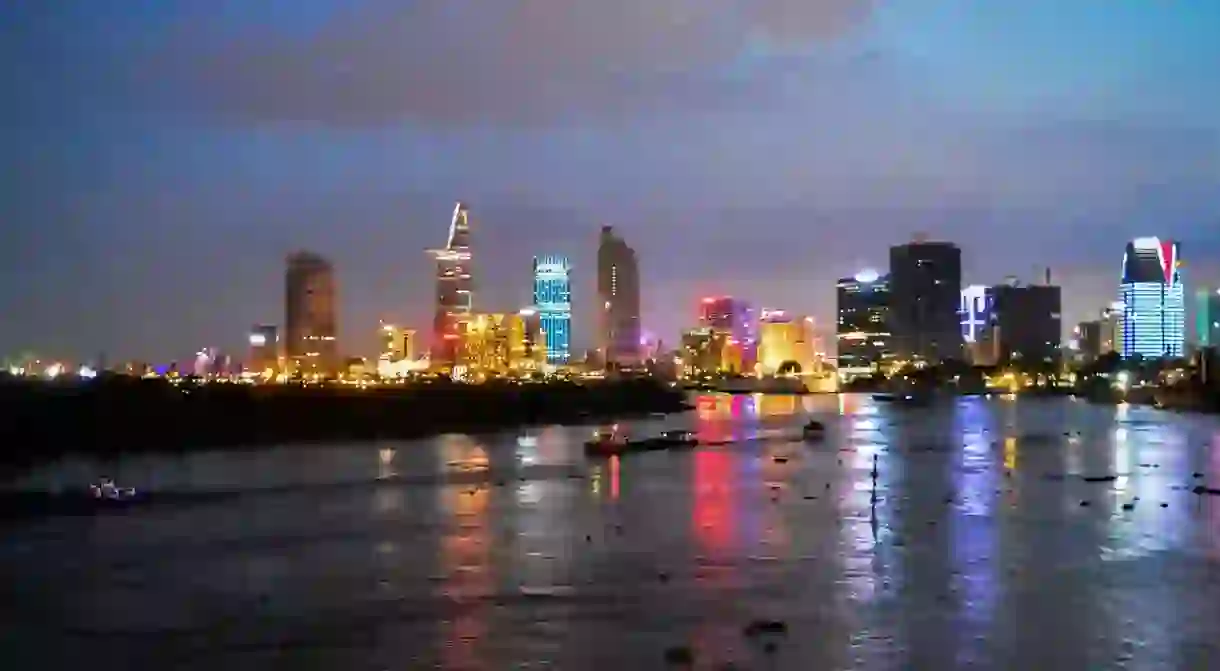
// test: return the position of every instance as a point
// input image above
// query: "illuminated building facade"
(310, 320)
(785, 343)
(618, 292)
(535, 339)
(975, 311)
(553, 302)
(264, 341)
(925, 285)
(1154, 310)
(397, 343)
(702, 352)
(454, 290)
(862, 333)
(1207, 317)
(734, 319)
(495, 343)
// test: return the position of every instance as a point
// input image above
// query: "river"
(977, 546)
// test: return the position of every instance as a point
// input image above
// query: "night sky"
(161, 157)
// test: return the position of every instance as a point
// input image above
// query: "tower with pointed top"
(454, 290)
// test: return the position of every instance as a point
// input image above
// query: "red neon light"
(1168, 258)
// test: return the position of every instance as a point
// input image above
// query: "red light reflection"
(713, 509)
(614, 467)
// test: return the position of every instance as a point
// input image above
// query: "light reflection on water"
(976, 543)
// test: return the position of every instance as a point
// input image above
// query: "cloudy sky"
(161, 157)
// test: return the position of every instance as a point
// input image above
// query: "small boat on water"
(911, 399)
(105, 490)
(667, 440)
(610, 442)
(607, 442)
(813, 430)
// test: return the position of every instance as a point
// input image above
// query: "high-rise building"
(618, 291)
(310, 321)
(535, 339)
(495, 343)
(264, 343)
(735, 319)
(702, 352)
(976, 308)
(397, 343)
(553, 301)
(925, 295)
(1112, 328)
(454, 290)
(1088, 336)
(785, 343)
(1027, 323)
(863, 333)
(1207, 317)
(1154, 304)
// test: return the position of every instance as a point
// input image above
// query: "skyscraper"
(310, 322)
(863, 334)
(1027, 323)
(1207, 317)
(734, 319)
(454, 290)
(397, 343)
(1088, 340)
(553, 301)
(1154, 303)
(618, 291)
(925, 295)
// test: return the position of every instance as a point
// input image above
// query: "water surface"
(977, 545)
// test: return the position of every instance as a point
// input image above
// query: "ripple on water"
(967, 546)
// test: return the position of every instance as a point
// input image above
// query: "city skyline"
(739, 155)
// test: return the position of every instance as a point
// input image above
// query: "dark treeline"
(40, 420)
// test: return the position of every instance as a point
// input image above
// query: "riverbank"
(43, 420)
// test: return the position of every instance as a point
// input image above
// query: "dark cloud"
(470, 61)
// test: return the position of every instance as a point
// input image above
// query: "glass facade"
(1153, 319)
(1207, 318)
(863, 329)
(553, 301)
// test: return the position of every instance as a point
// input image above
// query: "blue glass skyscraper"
(1154, 303)
(553, 300)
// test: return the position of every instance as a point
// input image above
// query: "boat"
(667, 440)
(105, 489)
(911, 399)
(761, 385)
(610, 442)
(105, 492)
(813, 430)
(607, 442)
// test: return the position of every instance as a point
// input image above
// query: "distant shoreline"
(47, 420)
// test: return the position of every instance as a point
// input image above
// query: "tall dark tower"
(925, 296)
(618, 291)
(310, 322)
(454, 290)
